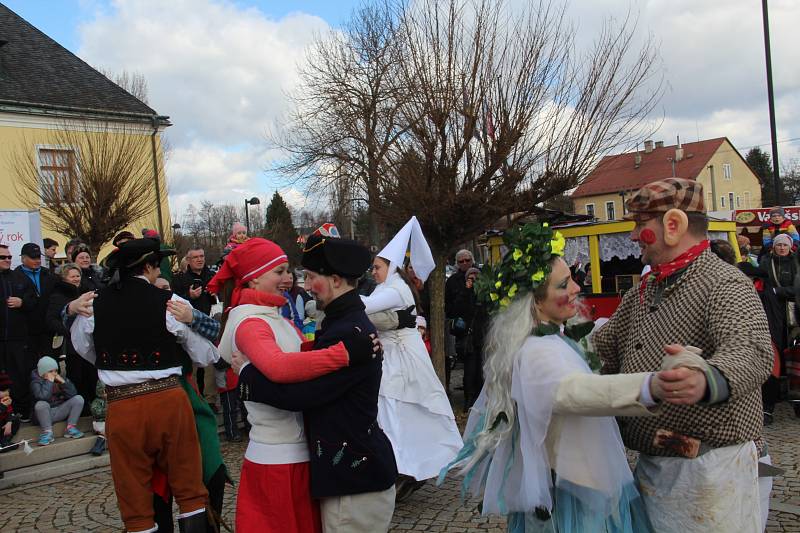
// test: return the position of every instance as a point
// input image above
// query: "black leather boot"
(197, 523)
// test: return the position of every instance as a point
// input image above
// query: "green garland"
(524, 267)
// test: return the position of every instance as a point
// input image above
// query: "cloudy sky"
(220, 69)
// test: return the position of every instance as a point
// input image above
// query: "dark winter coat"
(14, 322)
(92, 279)
(55, 394)
(184, 281)
(350, 453)
(63, 293)
(37, 323)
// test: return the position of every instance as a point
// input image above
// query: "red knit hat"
(245, 262)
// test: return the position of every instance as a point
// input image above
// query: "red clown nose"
(647, 236)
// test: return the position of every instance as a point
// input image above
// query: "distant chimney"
(679, 150)
(637, 160)
(659, 144)
(648, 146)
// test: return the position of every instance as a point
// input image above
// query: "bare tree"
(346, 122)
(462, 112)
(503, 114)
(94, 179)
(133, 82)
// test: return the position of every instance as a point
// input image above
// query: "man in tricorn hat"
(698, 462)
(134, 342)
(353, 470)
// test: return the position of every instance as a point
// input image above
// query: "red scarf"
(665, 270)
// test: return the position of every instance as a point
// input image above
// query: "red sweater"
(255, 339)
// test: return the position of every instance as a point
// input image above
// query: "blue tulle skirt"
(573, 515)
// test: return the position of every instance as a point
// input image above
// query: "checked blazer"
(710, 305)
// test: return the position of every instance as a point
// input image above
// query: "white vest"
(276, 436)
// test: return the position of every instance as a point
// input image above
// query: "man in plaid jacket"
(697, 470)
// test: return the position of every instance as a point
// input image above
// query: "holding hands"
(682, 380)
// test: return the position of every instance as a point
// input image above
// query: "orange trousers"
(155, 429)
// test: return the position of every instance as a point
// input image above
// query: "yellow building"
(728, 181)
(58, 115)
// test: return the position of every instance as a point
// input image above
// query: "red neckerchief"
(252, 296)
(663, 271)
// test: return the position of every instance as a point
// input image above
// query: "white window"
(738, 202)
(726, 171)
(610, 211)
(747, 199)
(722, 201)
(730, 200)
(59, 174)
(590, 210)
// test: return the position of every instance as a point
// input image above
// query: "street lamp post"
(247, 203)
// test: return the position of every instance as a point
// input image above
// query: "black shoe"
(6, 446)
(197, 523)
(233, 438)
(768, 419)
(99, 446)
(25, 420)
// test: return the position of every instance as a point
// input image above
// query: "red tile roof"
(617, 173)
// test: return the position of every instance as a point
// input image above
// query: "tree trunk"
(436, 325)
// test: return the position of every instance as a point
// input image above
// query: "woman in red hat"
(274, 494)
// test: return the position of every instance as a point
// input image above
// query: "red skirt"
(276, 499)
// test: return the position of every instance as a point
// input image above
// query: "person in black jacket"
(91, 275)
(79, 371)
(40, 337)
(191, 285)
(456, 310)
(353, 469)
(17, 299)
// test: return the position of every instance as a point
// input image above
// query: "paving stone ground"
(86, 501)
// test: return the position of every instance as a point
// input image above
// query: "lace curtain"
(617, 245)
(577, 248)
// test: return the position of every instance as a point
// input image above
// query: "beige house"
(45, 91)
(728, 181)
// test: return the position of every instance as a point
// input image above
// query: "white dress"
(413, 409)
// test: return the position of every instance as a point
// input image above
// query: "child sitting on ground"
(98, 408)
(56, 400)
(9, 421)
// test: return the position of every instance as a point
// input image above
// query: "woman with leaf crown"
(541, 445)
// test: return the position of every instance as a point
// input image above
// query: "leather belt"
(123, 392)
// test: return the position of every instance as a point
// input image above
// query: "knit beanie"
(782, 238)
(245, 262)
(45, 365)
(777, 210)
(78, 250)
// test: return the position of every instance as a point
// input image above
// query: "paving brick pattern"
(86, 501)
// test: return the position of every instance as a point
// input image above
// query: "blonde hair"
(507, 332)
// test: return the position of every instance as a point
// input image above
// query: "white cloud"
(220, 71)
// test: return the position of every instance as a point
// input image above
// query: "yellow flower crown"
(523, 268)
